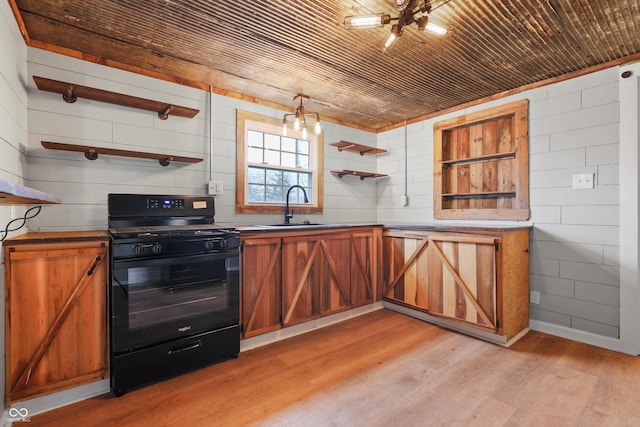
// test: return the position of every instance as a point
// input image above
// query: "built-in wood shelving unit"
(481, 164)
(71, 92)
(357, 148)
(362, 175)
(91, 153)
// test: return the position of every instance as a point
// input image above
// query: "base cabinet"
(55, 312)
(291, 278)
(474, 280)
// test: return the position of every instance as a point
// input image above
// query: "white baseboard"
(292, 331)
(59, 399)
(577, 335)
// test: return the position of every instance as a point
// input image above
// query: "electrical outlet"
(583, 181)
(534, 297)
(215, 188)
(404, 200)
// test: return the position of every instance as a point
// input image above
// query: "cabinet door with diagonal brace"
(449, 275)
(462, 279)
(56, 319)
(315, 276)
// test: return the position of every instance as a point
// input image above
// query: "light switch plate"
(215, 188)
(583, 181)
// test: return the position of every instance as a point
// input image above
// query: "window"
(268, 164)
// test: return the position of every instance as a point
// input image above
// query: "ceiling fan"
(410, 11)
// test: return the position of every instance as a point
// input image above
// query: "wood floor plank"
(382, 369)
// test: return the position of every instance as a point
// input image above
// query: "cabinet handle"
(93, 266)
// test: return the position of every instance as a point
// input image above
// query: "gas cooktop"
(194, 230)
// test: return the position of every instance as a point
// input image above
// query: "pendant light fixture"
(300, 119)
(410, 11)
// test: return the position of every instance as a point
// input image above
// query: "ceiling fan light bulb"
(361, 22)
(435, 29)
(396, 32)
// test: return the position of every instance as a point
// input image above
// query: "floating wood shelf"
(71, 92)
(91, 153)
(480, 195)
(362, 175)
(16, 194)
(357, 148)
(479, 159)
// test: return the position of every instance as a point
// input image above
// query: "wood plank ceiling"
(271, 50)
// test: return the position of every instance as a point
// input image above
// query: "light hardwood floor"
(385, 369)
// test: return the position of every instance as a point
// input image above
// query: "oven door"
(160, 299)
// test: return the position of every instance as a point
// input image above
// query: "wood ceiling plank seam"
(572, 27)
(568, 45)
(463, 51)
(593, 31)
(559, 46)
(613, 16)
(511, 55)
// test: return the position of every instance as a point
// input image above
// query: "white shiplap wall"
(573, 128)
(13, 131)
(84, 185)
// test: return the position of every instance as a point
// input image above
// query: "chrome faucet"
(287, 215)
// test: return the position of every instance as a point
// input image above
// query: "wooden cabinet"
(291, 277)
(364, 267)
(475, 281)
(260, 290)
(55, 312)
(315, 276)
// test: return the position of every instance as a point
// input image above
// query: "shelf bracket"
(165, 161)
(69, 97)
(164, 115)
(91, 154)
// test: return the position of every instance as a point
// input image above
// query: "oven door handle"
(187, 347)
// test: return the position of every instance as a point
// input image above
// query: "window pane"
(255, 155)
(256, 193)
(289, 179)
(272, 157)
(271, 141)
(288, 160)
(274, 177)
(274, 194)
(288, 144)
(256, 175)
(255, 139)
(303, 179)
(303, 146)
(303, 161)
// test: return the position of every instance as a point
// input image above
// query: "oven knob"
(138, 249)
(156, 248)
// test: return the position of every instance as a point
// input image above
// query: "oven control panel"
(165, 203)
